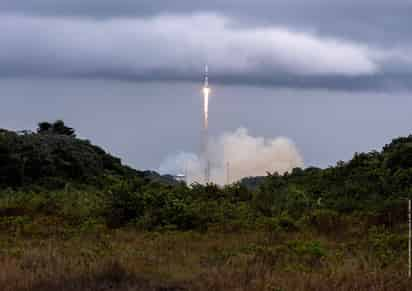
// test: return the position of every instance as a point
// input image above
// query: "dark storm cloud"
(174, 47)
(373, 19)
(310, 44)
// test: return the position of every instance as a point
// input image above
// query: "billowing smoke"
(236, 155)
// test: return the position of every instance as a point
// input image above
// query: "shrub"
(309, 253)
(386, 247)
(325, 220)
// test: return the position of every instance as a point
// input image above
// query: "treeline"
(52, 156)
(51, 172)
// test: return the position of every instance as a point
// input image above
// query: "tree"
(44, 127)
(58, 127)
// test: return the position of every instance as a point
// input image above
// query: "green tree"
(57, 127)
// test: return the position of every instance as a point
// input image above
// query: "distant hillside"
(55, 156)
(367, 180)
(51, 172)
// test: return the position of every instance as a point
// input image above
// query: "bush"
(325, 220)
(386, 247)
(310, 253)
(124, 203)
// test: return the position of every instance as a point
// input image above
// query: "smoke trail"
(247, 156)
(206, 92)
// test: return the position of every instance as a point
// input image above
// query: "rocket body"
(206, 80)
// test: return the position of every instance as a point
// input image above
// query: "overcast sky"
(334, 76)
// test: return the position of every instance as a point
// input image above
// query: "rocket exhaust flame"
(206, 92)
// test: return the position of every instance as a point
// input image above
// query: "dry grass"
(128, 260)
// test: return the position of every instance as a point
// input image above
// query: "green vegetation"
(72, 217)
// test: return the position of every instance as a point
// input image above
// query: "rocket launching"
(248, 155)
(206, 93)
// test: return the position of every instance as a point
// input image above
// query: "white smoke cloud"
(172, 45)
(247, 156)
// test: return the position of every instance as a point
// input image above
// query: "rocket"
(206, 77)
(206, 93)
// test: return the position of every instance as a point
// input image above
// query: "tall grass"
(125, 260)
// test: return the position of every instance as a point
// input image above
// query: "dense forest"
(52, 157)
(314, 224)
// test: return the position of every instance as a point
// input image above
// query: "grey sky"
(145, 122)
(334, 76)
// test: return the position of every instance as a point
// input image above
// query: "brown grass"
(129, 260)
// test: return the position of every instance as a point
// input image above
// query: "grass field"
(45, 254)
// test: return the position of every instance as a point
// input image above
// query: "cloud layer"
(172, 47)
